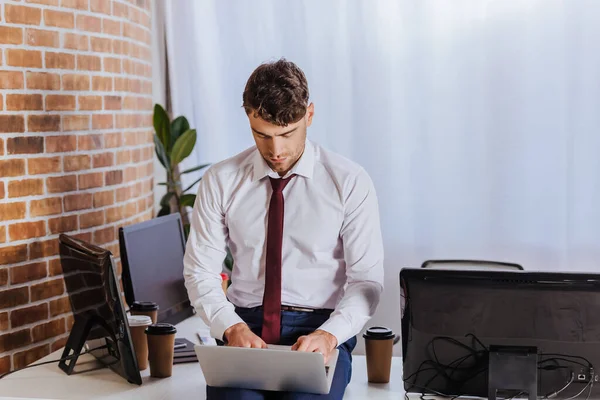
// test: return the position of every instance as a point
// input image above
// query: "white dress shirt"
(332, 254)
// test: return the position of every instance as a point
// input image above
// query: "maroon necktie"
(272, 296)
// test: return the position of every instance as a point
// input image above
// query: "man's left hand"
(319, 342)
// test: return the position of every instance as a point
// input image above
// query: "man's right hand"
(240, 335)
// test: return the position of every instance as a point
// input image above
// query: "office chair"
(471, 264)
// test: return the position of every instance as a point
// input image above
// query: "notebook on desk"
(275, 368)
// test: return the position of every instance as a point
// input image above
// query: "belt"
(324, 311)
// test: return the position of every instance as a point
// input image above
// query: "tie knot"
(279, 184)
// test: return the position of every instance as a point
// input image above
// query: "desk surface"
(187, 382)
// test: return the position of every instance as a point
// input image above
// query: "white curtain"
(479, 121)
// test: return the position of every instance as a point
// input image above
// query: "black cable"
(53, 361)
(569, 356)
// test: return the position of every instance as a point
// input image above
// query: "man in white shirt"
(302, 224)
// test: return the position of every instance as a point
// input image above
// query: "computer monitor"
(461, 330)
(152, 258)
(100, 322)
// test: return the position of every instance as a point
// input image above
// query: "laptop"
(274, 368)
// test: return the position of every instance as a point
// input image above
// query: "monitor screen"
(100, 321)
(152, 257)
(450, 319)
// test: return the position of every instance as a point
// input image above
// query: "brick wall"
(76, 152)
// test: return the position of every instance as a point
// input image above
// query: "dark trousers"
(293, 325)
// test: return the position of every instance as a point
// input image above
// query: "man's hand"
(318, 342)
(240, 335)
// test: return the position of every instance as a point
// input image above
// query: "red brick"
(1, 150)
(90, 102)
(25, 145)
(3, 276)
(40, 249)
(11, 298)
(43, 165)
(48, 330)
(89, 63)
(22, 15)
(58, 344)
(112, 65)
(43, 81)
(103, 160)
(111, 27)
(28, 315)
(104, 235)
(44, 38)
(28, 272)
(60, 306)
(76, 82)
(18, 102)
(25, 187)
(102, 121)
(100, 6)
(95, 218)
(10, 211)
(78, 4)
(4, 364)
(62, 224)
(88, 181)
(11, 80)
(47, 206)
(3, 322)
(130, 174)
(114, 177)
(60, 61)
(88, 23)
(76, 42)
(101, 45)
(59, 19)
(60, 184)
(112, 140)
(61, 144)
(123, 193)
(112, 102)
(79, 201)
(60, 102)
(90, 142)
(23, 58)
(85, 236)
(45, 2)
(12, 167)
(105, 198)
(26, 230)
(120, 47)
(24, 358)
(43, 123)
(102, 84)
(114, 214)
(54, 268)
(11, 123)
(9, 35)
(76, 163)
(15, 340)
(2, 240)
(76, 123)
(120, 10)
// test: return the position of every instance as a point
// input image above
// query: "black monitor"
(476, 332)
(100, 322)
(152, 258)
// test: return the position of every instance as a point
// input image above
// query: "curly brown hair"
(277, 92)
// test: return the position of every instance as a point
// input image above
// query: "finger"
(304, 343)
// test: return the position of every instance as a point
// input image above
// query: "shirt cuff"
(338, 328)
(224, 322)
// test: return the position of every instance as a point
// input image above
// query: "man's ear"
(310, 111)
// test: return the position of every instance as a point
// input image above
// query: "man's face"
(281, 146)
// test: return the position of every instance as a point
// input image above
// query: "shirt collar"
(304, 166)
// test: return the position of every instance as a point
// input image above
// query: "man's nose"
(278, 147)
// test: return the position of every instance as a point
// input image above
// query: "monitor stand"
(513, 368)
(77, 338)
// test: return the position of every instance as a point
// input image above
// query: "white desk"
(187, 382)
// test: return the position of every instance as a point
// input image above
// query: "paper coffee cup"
(379, 342)
(148, 308)
(137, 328)
(161, 342)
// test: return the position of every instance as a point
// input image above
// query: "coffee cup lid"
(144, 306)
(161, 329)
(378, 333)
(139, 320)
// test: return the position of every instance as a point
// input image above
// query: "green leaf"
(188, 200)
(183, 147)
(164, 202)
(198, 168)
(161, 154)
(172, 184)
(192, 185)
(162, 127)
(164, 211)
(178, 127)
(186, 229)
